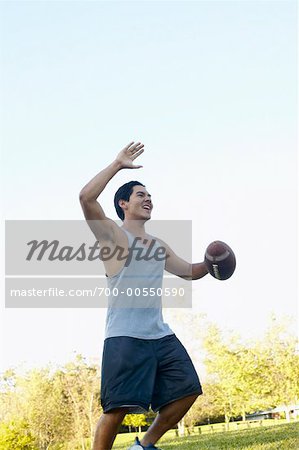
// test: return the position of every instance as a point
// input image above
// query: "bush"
(15, 435)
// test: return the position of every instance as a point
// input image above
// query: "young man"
(144, 364)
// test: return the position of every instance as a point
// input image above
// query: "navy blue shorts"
(139, 373)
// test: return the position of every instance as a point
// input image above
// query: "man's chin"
(146, 218)
(143, 217)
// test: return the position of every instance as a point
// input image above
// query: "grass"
(274, 437)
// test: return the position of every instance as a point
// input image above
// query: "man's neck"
(136, 227)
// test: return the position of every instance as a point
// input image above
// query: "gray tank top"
(135, 301)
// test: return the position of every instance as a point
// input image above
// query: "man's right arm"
(102, 226)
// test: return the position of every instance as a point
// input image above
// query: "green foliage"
(15, 435)
(81, 385)
(59, 405)
(45, 407)
(253, 376)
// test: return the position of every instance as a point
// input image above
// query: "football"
(220, 260)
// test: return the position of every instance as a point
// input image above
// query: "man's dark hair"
(124, 193)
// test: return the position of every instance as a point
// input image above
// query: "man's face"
(139, 205)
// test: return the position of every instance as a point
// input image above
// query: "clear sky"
(210, 88)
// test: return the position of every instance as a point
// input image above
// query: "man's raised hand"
(126, 157)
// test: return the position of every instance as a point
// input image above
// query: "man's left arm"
(178, 266)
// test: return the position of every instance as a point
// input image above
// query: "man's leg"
(167, 418)
(107, 429)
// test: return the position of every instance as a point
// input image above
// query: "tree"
(205, 409)
(59, 405)
(223, 370)
(81, 385)
(45, 407)
(135, 420)
(281, 352)
(10, 407)
(254, 375)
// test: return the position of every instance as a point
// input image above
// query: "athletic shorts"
(139, 373)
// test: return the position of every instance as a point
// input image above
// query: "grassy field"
(278, 437)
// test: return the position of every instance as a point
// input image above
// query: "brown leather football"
(220, 260)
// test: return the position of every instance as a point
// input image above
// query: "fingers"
(136, 167)
(130, 148)
(129, 145)
(135, 148)
(136, 153)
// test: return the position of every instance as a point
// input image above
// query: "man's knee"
(115, 415)
(175, 410)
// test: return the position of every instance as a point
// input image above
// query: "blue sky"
(209, 88)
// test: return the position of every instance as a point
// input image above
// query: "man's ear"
(123, 204)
